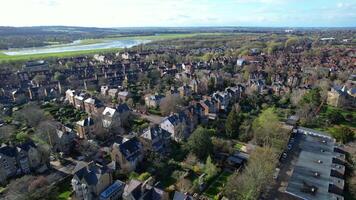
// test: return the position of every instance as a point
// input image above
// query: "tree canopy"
(268, 130)
(200, 143)
(256, 176)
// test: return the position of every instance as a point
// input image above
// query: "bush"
(144, 176)
(343, 134)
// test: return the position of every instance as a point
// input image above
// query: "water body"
(76, 46)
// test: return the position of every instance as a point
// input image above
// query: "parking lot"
(287, 161)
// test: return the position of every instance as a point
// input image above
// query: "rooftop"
(311, 176)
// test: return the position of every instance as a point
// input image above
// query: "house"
(177, 125)
(194, 85)
(79, 101)
(153, 101)
(114, 191)
(137, 190)
(181, 196)
(21, 159)
(342, 97)
(223, 99)
(117, 115)
(108, 116)
(62, 140)
(90, 180)
(123, 96)
(113, 92)
(128, 154)
(240, 62)
(92, 106)
(155, 139)
(70, 94)
(85, 128)
(104, 90)
(185, 91)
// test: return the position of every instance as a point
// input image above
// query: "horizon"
(207, 26)
(183, 13)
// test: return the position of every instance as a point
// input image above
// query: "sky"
(178, 13)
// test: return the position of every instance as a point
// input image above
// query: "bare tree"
(170, 104)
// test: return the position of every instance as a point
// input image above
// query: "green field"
(7, 58)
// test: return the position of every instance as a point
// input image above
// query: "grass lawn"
(322, 125)
(2, 189)
(239, 146)
(217, 185)
(65, 191)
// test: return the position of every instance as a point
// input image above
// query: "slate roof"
(8, 151)
(130, 148)
(181, 196)
(153, 132)
(122, 108)
(90, 173)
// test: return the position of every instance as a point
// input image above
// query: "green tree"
(335, 117)
(312, 97)
(249, 184)
(343, 134)
(199, 143)
(59, 76)
(232, 124)
(210, 169)
(267, 129)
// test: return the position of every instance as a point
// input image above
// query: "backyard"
(217, 185)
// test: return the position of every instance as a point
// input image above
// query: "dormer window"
(316, 174)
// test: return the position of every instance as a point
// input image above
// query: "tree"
(58, 76)
(312, 97)
(170, 104)
(199, 143)
(343, 134)
(335, 117)
(39, 79)
(232, 124)
(30, 114)
(255, 178)
(267, 129)
(210, 169)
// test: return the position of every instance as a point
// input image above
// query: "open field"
(7, 58)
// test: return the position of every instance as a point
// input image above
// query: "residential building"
(128, 154)
(318, 171)
(177, 125)
(155, 139)
(62, 140)
(153, 101)
(90, 180)
(85, 128)
(342, 97)
(137, 190)
(21, 159)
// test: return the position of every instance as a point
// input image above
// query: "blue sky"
(138, 13)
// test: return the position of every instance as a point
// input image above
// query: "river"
(77, 46)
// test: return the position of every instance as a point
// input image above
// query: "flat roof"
(312, 169)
